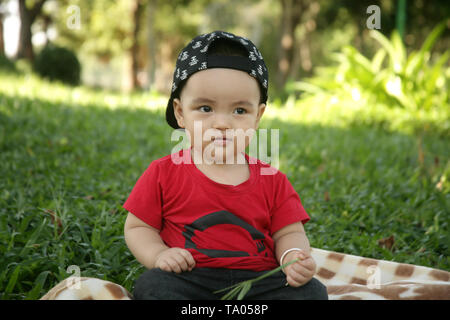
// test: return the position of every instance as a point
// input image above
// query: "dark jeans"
(199, 284)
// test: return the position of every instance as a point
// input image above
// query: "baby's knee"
(147, 285)
(318, 291)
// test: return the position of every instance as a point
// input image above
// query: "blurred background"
(133, 44)
(359, 91)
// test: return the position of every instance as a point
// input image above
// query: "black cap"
(194, 57)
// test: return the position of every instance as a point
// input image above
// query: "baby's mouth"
(221, 140)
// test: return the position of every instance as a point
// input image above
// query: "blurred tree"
(151, 41)
(107, 29)
(148, 34)
(422, 16)
(298, 20)
(291, 14)
(400, 18)
(28, 11)
(46, 22)
(139, 40)
(137, 11)
(2, 42)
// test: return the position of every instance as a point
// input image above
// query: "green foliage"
(6, 64)
(391, 77)
(58, 63)
(61, 190)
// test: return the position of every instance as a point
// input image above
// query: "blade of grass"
(227, 288)
(38, 285)
(245, 286)
(230, 295)
(244, 290)
(33, 238)
(12, 280)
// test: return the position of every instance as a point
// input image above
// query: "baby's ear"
(261, 109)
(178, 111)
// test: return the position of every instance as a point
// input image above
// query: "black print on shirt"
(221, 217)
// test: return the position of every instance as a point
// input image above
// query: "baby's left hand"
(300, 272)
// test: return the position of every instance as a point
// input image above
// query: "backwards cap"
(194, 57)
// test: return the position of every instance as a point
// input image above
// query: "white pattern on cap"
(204, 49)
(227, 35)
(260, 71)
(245, 43)
(184, 56)
(183, 75)
(257, 53)
(193, 61)
(197, 45)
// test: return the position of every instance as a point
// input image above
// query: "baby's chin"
(221, 154)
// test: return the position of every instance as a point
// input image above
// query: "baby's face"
(222, 101)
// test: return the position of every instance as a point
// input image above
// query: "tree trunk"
(27, 17)
(134, 50)
(25, 49)
(302, 59)
(2, 42)
(151, 42)
(291, 15)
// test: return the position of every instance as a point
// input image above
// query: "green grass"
(70, 156)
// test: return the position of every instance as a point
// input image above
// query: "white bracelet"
(286, 252)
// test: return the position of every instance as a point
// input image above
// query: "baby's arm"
(294, 236)
(149, 249)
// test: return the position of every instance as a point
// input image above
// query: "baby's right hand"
(175, 260)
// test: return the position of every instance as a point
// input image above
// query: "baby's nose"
(221, 122)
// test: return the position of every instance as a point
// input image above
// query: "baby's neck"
(226, 163)
(233, 173)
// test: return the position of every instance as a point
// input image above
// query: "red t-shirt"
(223, 226)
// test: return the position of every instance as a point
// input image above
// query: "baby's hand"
(300, 272)
(175, 260)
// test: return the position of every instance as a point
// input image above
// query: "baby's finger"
(300, 278)
(189, 259)
(181, 261)
(298, 269)
(292, 282)
(174, 265)
(308, 264)
(165, 266)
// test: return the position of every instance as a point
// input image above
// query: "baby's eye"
(241, 110)
(206, 107)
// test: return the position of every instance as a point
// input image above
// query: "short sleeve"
(145, 199)
(287, 207)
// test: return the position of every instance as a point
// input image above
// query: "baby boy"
(209, 216)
